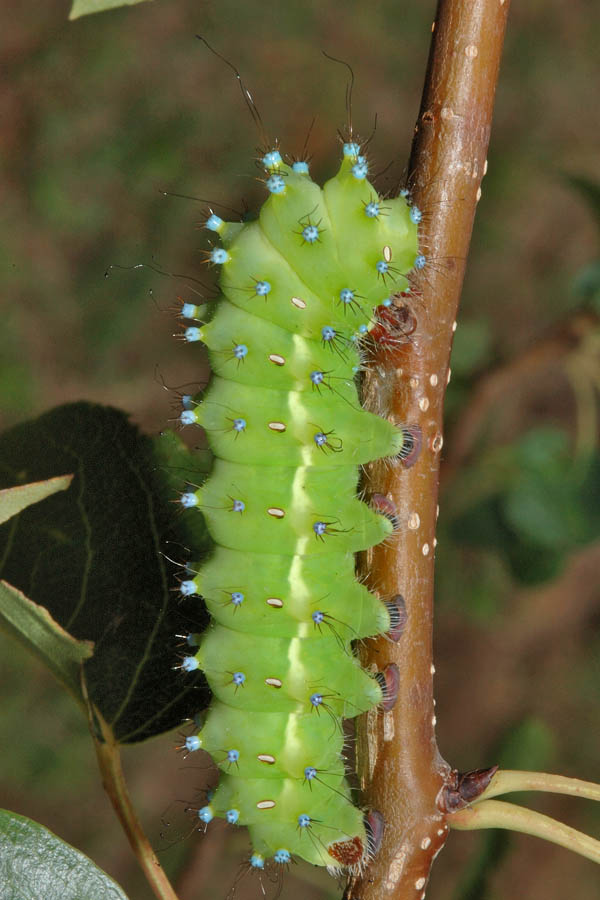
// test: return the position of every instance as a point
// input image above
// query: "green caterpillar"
(301, 288)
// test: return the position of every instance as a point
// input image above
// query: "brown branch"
(402, 769)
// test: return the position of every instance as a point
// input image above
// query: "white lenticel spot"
(277, 359)
(478, 195)
(433, 721)
(414, 382)
(485, 165)
(447, 113)
(424, 404)
(277, 426)
(425, 549)
(387, 253)
(454, 327)
(275, 602)
(449, 376)
(471, 51)
(399, 373)
(425, 843)
(432, 669)
(433, 380)
(434, 543)
(414, 521)
(276, 512)
(437, 443)
(299, 303)
(420, 883)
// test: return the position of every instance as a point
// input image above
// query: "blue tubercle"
(300, 167)
(239, 425)
(360, 170)
(257, 861)
(372, 210)
(262, 288)
(187, 401)
(327, 333)
(206, 814)
(188, 417)
(190, 664)
(352, 149)
(272, 159)
(238, 506)
(346, 295)
(237, 598)
(192, 334)
(233, 756)
(310, 234)
(304, 820)
(319, 528)
(382, 267)
(275, 184)
(188, 588)
(239, 678)
(310, 773)
(240, 351)
(282, 856)
(189, 311)
(318, 617)
(317, 377)
(387, 301)
(193, 743)
(320, 438)
(420, 261)
(214, 223)
(232, 816)
(188, 500)
(219, 256)
(415, 215)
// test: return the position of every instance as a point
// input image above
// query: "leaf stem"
(499, 814)
(113, 779)
(505, 781)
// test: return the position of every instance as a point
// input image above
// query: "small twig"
(507, 781)
(498, 814)
(113, 780)
(504, 381)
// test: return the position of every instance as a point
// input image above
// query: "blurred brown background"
(99, 115)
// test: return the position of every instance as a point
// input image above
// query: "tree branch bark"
(402, 771)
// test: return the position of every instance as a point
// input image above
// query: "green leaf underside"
(37, 865)
(86, 7)
(94, 557)
(13, 500)
(34, 626)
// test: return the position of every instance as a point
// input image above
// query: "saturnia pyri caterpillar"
(304, 288)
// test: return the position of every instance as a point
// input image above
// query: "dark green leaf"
(36, 865)
(85, 7)
(34, 626)
(94, 557)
